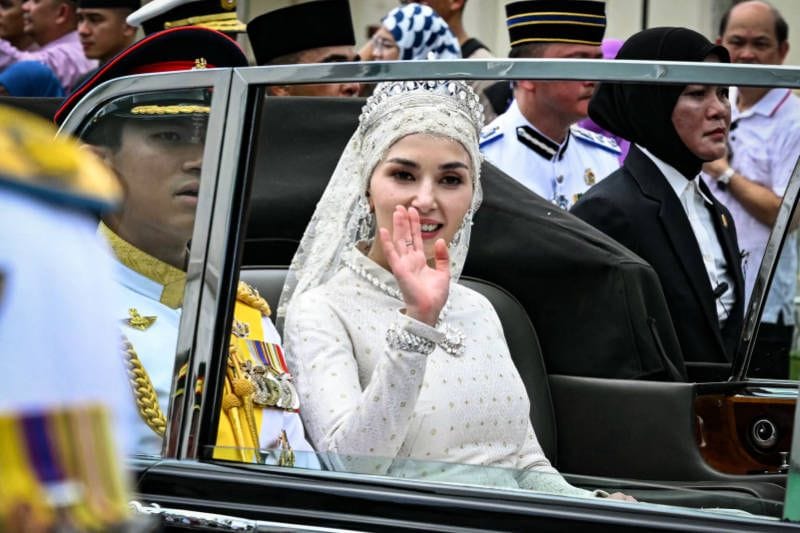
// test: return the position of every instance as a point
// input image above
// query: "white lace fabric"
(380, 410)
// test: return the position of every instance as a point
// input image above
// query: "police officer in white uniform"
(536, 140)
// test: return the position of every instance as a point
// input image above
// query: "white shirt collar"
(766, 106)
(518, 119)
(676, 180)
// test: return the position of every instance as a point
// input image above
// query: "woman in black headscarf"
(656, 205)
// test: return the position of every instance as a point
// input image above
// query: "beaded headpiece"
(391, 96)
(446, 107)
(395, 110)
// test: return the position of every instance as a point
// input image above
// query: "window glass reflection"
(775, 338)
(154, 143)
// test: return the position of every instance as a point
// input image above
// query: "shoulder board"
(248, 295)
(489, 134)
(606, 143)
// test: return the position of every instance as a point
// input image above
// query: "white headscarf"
(342, 217)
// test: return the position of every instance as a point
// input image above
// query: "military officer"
(536, 141)
(61, 383)
(155, 142)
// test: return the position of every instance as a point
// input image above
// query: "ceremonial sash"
(61, 462)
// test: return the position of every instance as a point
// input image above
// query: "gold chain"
(145, 394)
(143, 391)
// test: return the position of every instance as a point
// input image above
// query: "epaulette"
(249, 295)
(489, 134)
(606, 143)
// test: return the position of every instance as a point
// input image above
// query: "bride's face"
(432, 174)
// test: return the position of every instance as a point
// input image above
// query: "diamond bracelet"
(400, 339)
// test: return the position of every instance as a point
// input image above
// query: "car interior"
(584, 318)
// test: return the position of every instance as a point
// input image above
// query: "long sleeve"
(341, 414)
(64, 57)
(450, 416)
(536, 472)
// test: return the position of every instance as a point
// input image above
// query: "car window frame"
(195, 344)
(218, 239)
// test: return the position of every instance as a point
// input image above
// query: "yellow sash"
(240, 420)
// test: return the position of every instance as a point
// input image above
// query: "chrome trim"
(541, 69)
(185, 519)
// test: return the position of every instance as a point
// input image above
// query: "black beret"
(170, 50)
(556, 21)
(301, 27)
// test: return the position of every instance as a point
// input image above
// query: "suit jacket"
(636, 206)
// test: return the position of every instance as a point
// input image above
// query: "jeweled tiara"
(453, 95)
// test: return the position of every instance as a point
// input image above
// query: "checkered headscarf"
(421, 33)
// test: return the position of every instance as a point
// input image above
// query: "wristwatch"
(725, 177)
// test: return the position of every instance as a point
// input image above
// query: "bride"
(393, 359)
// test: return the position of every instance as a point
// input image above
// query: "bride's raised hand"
(424, 289)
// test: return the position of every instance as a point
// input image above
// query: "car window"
(277, 155)
(154, 142)
(291, 164)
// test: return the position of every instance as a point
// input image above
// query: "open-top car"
(614, 404)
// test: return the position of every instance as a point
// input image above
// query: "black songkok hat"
(300, 27)
(133, 5)
(642, 113)
(160, 15)
(556, 21)
(184, 48)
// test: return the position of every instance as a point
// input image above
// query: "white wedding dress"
(375, 407)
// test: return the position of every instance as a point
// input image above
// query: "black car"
(613, 403)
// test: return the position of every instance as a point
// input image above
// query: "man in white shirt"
(764, 146)
(536, 141)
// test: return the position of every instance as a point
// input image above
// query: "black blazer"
(636, 206)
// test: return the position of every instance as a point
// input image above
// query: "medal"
(137, 321)
(240, 329)
(588, 177)
(274, 383)
(289, 397)
(267, 391)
